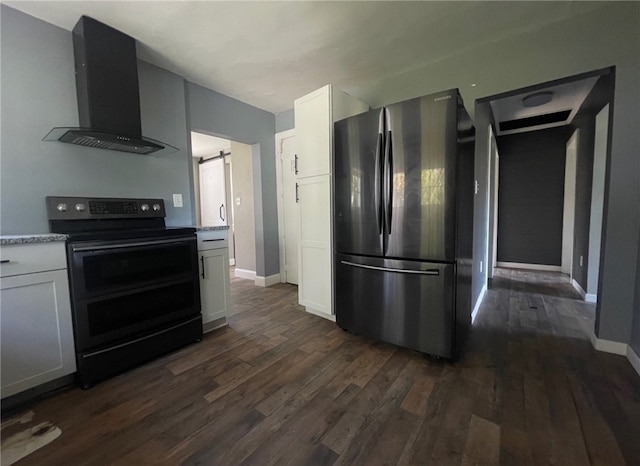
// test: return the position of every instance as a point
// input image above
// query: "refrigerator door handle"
(388, 184)
(387, 269)
(378, 183)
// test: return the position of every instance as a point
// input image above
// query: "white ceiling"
(269, 53)
(203, 145)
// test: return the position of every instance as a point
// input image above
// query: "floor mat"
(20, 437)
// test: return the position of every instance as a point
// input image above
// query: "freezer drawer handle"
(386, 269)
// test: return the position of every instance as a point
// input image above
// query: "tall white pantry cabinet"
(315, 114)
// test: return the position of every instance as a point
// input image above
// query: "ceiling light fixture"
(537, 99)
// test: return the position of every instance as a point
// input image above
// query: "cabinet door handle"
(221, 212)
(5, 261)
(202, 260)
(297, 198)
(295, 163)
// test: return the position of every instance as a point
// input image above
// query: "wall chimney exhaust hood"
(108, 95)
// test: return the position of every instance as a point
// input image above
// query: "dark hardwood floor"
(280, 386)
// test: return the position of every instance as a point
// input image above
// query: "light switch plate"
(177, 200)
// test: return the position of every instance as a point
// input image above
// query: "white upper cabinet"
(315, 114)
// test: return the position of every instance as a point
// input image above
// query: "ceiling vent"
(538, 120)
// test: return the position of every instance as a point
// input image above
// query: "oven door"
(125, 289)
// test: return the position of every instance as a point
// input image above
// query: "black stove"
(134, 282)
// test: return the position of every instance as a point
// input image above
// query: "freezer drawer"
(407, 303)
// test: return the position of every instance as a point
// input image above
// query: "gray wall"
(635, 332)
(285, 121)
(585, 121)
(244, 219)
(531, 196)
(213, 113)
(38, 93)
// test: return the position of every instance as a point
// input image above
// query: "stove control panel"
(83, 208)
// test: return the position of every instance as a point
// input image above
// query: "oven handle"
(128, 245)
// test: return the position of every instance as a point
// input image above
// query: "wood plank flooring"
(279, 386)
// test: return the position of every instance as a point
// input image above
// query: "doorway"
(572, 140)
(223, 184)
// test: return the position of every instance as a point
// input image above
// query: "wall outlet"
(581, 258)
(476, 185)
(177, 200)
(238, 201)
(480, 266)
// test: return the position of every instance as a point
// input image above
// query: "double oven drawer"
(124, 289)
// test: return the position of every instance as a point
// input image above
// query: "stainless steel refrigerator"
(403, 223)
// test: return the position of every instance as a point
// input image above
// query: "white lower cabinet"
(314, 288)
(215, 289)
(36, 328)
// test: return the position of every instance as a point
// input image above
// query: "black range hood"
(108, 94)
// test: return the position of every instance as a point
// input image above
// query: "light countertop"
(6, 240)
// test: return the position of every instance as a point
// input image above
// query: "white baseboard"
(232, 261)
(615, 347)
(518, 265)
(311, 310)
(608, 346)
(633, 358)
(578, 288)
(267, 281)
(248, 274)
(476, 308)
(591, 298)
(214, 324)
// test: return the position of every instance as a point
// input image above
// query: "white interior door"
(213, 201)
(291, 211)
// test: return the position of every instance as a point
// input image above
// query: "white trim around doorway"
(476, 308)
